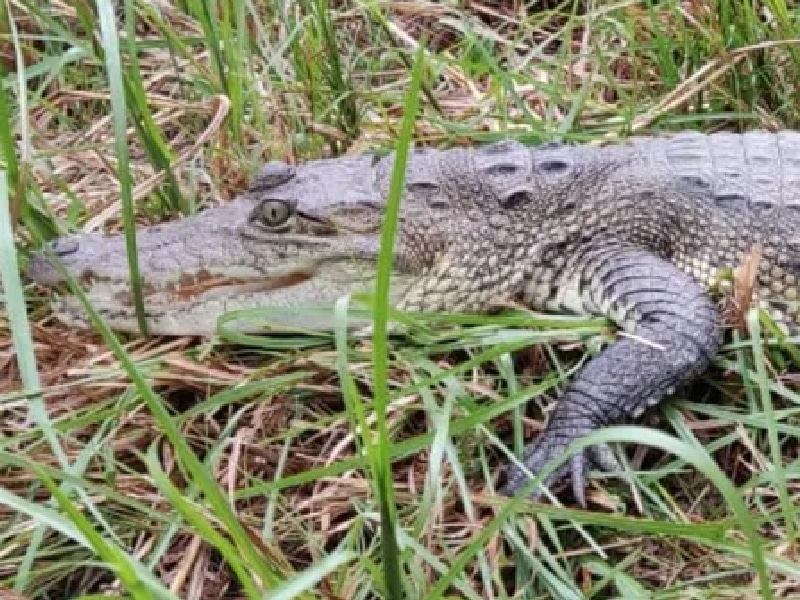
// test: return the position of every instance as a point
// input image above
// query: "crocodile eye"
(273, 213)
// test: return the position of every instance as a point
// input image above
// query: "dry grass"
(271, 425)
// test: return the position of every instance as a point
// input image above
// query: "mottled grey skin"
(640, 233)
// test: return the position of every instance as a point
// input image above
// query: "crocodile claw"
(540, 454)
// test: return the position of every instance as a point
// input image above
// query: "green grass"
(313, 466)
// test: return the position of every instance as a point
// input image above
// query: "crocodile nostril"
(64, 246)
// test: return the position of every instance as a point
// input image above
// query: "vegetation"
(321, 467)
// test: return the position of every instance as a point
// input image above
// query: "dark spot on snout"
(64, 246)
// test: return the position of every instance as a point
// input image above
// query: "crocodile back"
(757, 172)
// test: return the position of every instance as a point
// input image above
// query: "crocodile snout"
(41, 268)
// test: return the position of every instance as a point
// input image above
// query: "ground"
(186, 468)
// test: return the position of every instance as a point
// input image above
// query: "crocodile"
(646, 233)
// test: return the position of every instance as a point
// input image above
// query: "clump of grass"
(168, 468)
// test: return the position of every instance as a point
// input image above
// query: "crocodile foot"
(539, 455)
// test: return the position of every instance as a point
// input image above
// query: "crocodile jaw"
(192, 302)
(299, 300)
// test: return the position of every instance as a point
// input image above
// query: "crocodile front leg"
(672, 335)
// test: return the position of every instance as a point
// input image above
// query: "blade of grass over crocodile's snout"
(119, 115)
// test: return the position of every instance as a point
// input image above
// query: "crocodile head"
(310, 234)
(288, 242)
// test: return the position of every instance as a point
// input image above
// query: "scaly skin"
(639, 233)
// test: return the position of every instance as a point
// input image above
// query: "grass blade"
(110, 40)
(382, 461)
